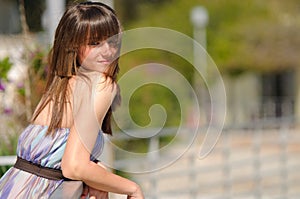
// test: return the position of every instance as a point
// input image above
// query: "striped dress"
(35, 146)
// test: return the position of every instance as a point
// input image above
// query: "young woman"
(65, 136)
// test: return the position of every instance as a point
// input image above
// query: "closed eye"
(94, 43)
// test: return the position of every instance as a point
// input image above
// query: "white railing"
(259, 160)
(7, 160)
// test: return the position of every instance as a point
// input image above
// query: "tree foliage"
(243, 35)
(34, 11)
(5, 66)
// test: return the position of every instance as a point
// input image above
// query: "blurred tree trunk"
(25, 33)
(297, 97)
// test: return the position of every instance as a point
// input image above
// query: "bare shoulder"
(97, 83)
(106, 84)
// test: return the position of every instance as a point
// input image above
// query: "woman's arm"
(76, 163)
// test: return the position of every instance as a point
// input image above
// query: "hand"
(92, 193)
(97, 194)
(138, 194)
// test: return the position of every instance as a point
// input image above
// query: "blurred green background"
(243, 37)
(254, 43)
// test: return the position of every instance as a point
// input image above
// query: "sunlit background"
(255, 46)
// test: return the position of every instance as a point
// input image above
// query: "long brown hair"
(80, 25)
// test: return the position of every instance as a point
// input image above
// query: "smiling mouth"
(105, 61)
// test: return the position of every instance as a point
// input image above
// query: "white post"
(199, 19)
(52, 15)
(110, 3)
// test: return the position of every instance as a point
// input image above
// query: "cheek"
(114, 52)
(82, 55)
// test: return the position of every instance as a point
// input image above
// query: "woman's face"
(98, 56)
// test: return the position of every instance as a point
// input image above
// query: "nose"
(106, 50)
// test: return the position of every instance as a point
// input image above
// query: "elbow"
(72, 170)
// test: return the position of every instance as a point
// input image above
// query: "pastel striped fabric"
(35, 146)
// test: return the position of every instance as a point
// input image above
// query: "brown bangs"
(101, 28)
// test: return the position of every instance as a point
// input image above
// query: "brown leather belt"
(45, 172)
